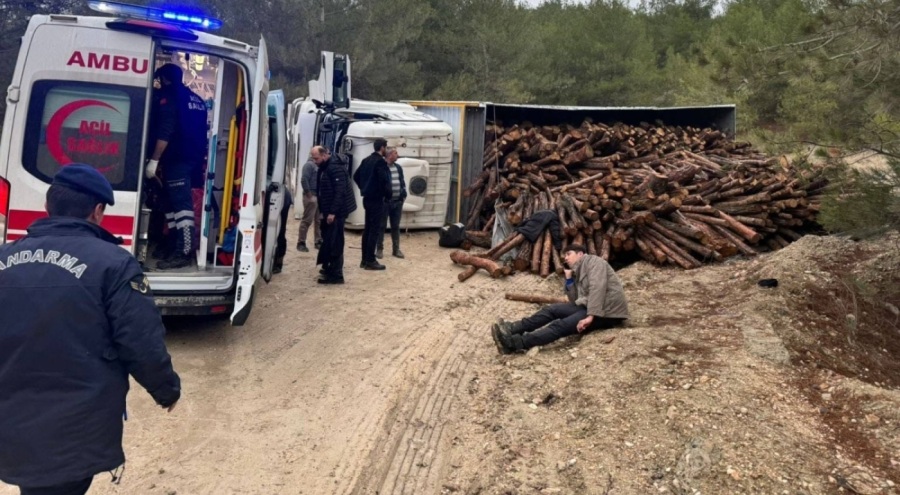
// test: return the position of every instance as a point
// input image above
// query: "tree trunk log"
(535, 298)
(462, 258)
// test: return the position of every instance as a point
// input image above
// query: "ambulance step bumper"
(215, 304)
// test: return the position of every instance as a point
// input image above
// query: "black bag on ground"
(452, 235)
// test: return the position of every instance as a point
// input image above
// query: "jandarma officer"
(76, 318)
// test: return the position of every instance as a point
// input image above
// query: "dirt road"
(326, 389)
(390, 384)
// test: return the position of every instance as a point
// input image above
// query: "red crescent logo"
(54, 127)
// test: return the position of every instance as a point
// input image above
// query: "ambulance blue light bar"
(184, 19)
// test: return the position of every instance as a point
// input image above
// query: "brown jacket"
(598, 288)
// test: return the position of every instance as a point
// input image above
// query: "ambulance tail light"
(4, 207)
(183, 19)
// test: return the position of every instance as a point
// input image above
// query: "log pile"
(672, 195)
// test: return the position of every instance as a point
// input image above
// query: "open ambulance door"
(333, 85)
(275, 175)
(250, 225)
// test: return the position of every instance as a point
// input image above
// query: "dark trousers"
(556, 321)
(72, 488)
(372, 230)
(394, 210)
(281, 241)
(331, 253)
(180, 208)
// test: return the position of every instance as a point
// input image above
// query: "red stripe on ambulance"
(117, 225)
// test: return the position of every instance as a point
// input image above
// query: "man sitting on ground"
(597, 301)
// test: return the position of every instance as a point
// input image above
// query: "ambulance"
(82, 92)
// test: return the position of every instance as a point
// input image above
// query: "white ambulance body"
(424, 143)
(82, 92)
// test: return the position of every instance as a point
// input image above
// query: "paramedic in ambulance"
(180, 129)
(78, 318)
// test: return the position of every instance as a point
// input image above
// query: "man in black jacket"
(374, 180)
(77, 318)
(336, 202)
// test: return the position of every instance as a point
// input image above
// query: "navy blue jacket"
(181, 119)
(373, 177)
(76, 318)
(335, 192)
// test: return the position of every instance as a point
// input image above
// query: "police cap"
(85, 179)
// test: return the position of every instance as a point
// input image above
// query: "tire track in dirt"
(408, 457)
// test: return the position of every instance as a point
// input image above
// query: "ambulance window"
(273, 149)
(96, 124)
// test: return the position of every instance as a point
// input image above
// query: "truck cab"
(329, 117)
(83, 92)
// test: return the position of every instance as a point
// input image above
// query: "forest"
(804, 74)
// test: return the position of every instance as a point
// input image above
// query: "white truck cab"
(329, 117)
(82, 92)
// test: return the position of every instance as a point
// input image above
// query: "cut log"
(465, 259)
(467, 273)
(545, 256)
(479, 238)
(535, 298)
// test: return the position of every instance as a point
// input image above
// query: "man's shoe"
(175, 262)
(379, 253)
(510, 343)
(398, 253)
(276, 269)
(374, 265)
(301, 246)
(162, 252)
(496, 333)
(331, 280)
(507, 327)
(362, 264)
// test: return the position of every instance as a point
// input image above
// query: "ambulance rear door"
(250, 225)
(274, 179)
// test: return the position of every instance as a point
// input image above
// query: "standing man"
(83, 321)
(374, 181)
(394, 205)
(336, 202)
(308, 182)
(596, 301)
(180, 129)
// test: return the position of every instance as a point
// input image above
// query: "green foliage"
(821, 71)
(863, 200)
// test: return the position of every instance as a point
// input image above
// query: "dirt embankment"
(716, 385)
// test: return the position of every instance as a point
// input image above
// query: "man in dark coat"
(78, 318)
(374, 180)
(180, 129)
(336, 202)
